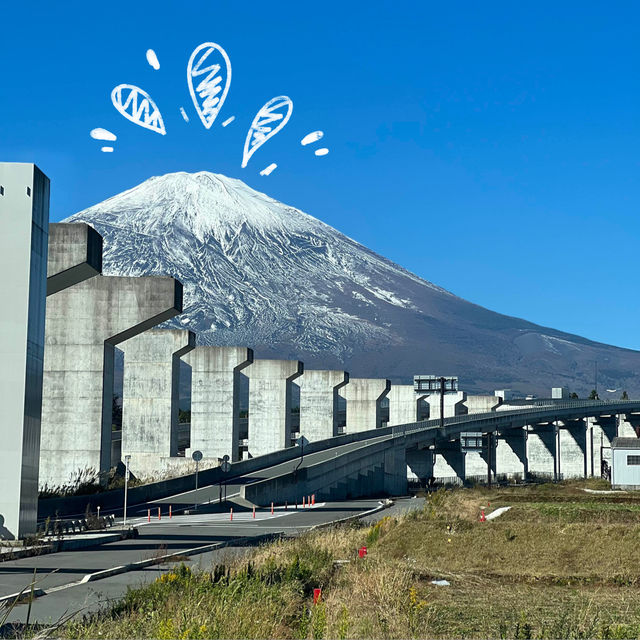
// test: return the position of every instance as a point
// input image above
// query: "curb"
(380, 507)
(141, 564)
(23, 594)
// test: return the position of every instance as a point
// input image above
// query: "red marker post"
(169, 512)
(272, 508)
(362, 552)
(231, 513)
(254, 511)
(317, 594)
(159, 514)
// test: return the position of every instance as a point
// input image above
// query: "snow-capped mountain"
(260, 273)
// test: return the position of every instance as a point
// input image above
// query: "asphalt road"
(181, 533)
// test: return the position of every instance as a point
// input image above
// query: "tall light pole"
(126, 487)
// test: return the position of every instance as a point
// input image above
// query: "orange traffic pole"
(313, 498)
(169, 512)
(272, 508)
(148, 515)
(231, 513)
(303, 505)
(159, 514)
(254, 511)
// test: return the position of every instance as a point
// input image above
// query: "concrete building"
(319, 402)
(150, 397)
(363, 396)
(215, 399)
(24, 218)
(270, 404)
(625, 463)
(83, 325)
(405, 405)
(559, 393)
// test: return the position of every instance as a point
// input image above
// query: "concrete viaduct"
(57, 353)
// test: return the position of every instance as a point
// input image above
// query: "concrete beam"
(215, 399)
(84, 323)
(75, 255)
(403, 404)
(363, 396)
(24, 219)
(482, 404)
(150, 397)
(453, 404)
(270, 404)
(319, 402)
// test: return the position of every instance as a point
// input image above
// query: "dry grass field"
(561, 563)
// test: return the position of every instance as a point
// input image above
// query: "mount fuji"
(260, 273)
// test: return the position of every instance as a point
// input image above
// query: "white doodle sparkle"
(106, 149)
(209, 94)
(136, 105)
(184, 114)
(261, 130)
(103, 134)
(228, 121)
(268, 170)
(322, 152)
(152, 59)
(314, 136)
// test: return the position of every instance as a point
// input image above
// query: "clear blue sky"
(491, 148)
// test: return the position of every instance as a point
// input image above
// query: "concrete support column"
(420, 464)
(395, 471)
(453, 404)
(629, 425)
(603, 431)
(542, 450)
(363, 396)
(511, 453)
(449, 461)
(403, 404)
(476, 462)
(270, 404)
(319, 402)
(24, 218)
(215, 399)
(84, 323)
(572, 449)
(150, 396)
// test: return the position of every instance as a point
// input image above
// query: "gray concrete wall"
(150, 396)
(511, 453)
(403, 404)
(75, 255)
(215, 399)
(270, 404)
(24, 217)
(541, 450)
(83, 324)
(420, 464)
(319, 402)
(572, 448)
(363, 396)
(603, 430)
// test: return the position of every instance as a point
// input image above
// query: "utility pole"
(442, 381)
(489, 462)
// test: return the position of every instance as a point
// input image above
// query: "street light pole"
(126, 487)
(442, 381)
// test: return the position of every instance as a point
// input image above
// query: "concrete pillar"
(453, 404)
(84, 323)
(482, 404)
(572, 449)
(75, 255)
(150, 396)
(449, 461)
(215, 399)
(270, 404)
(604, 429)
(24, 218)
(420, 464)
(629, 425)
(395, 471)
(542, 449)
(476, 462)
(319, 402)
(511, 453)
(363, 396)
(403, 404)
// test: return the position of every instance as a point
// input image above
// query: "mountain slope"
(260, 273)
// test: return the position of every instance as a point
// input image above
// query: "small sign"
(197, 455)
(225, 466)
(302, 441)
